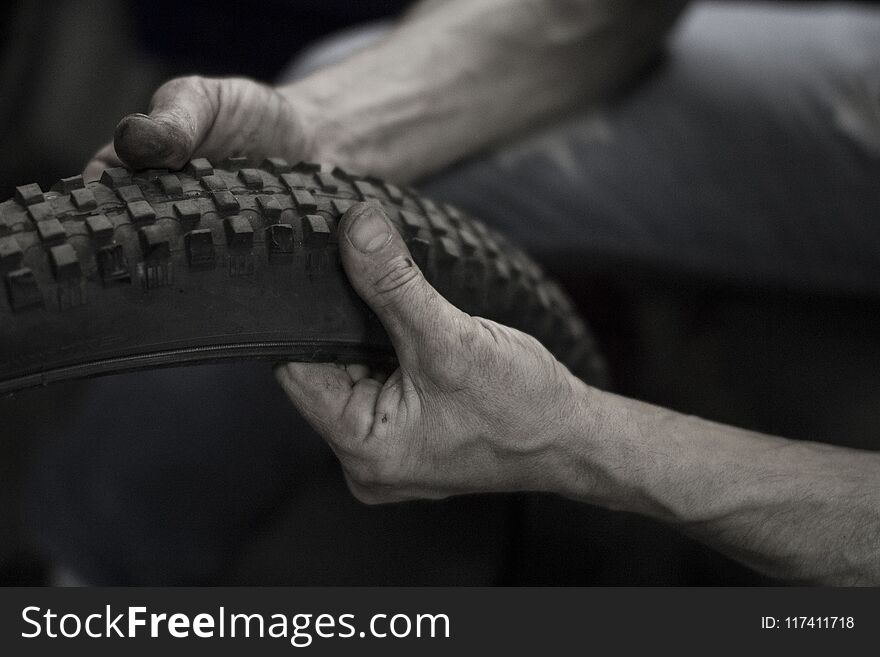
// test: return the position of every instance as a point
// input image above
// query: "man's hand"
(206, 117)
(474, 406)
(477, 407)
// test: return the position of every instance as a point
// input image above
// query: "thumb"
(182, 112)
(384, 274)
(212, 118)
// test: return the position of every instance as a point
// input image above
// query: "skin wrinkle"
(396, 295)
(398, 273)
(172, 115)
(361, 425)
(286, 125)
(215, 102)
(239, 116)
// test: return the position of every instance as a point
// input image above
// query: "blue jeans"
(750, 155)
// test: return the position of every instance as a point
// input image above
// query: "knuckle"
(361, 492)
(195, 82)
(396, 278)
(362, 472)
(367, 498)
(206, 89)
(173, 86)
(508, 345)
(372, 475)
(367, 492)
(388, 473)
(210, 90)
(464, 355)
(375, 470)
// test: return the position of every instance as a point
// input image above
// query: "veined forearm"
(794, 510)
(466, 73)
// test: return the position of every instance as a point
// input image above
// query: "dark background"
(771, 360)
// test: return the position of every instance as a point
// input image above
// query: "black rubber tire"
(153, 268)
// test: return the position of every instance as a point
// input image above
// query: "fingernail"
(142, 141)
(368, 229)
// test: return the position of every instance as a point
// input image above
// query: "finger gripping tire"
(154, 268)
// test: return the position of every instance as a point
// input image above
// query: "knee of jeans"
(857, 111)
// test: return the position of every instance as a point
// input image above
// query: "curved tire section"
(155, 268)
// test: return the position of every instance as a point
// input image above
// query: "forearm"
(795, 510)
(464, 74)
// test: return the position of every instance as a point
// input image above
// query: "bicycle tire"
(155, 268)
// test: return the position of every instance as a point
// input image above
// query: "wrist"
(335, 132)
(305, 109)
(553, 457)
(576, 470)
(598, 458)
